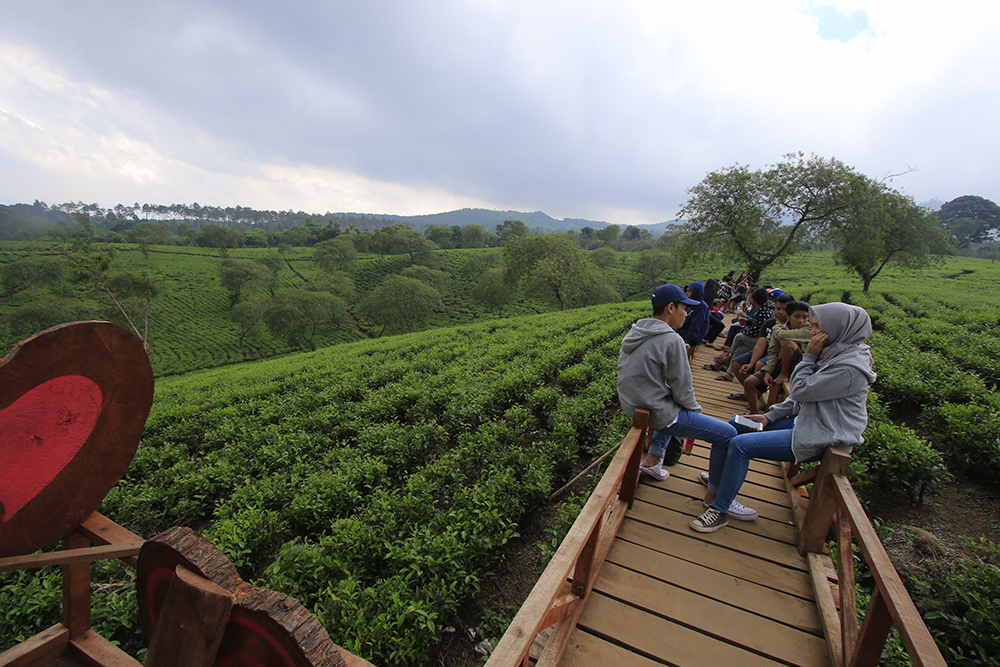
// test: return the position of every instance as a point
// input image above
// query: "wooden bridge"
(632, 584)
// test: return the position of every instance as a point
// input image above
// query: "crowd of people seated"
(814, 355)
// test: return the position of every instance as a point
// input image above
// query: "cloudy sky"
(604, 110)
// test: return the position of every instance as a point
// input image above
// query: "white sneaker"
(739, 512)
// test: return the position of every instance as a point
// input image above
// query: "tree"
(555, 267)
(147, 234)
(969, 219)
(296, 314)
(29, 272)
(881, 227)
(436, 279)
(473, 236)
(400, 303)
(759, 217)
(608, 236)
(509, 229)
(440, 235)
(492, 292)
(212, 235)
(652, 264)
(90, 266)
(336, 283)
(237, 275)
(337, 253)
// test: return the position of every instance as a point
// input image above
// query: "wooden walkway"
(669, 595)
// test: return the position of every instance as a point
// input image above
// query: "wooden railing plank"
(818, 565)
(915, 635)
(874, 631)
(576, 556)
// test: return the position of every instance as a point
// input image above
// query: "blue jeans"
(774, 443)
(700, 427)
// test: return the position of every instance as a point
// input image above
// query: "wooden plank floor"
(670, 596)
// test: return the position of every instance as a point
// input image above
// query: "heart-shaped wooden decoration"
(73, 402)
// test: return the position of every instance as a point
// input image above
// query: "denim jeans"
(774, 443)
(700, 427)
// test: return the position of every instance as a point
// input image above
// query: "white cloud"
(581, 109)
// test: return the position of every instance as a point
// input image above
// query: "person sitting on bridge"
(828, 407)
(654, 374)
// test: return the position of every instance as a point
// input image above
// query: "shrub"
(958, 601)
(895, 458)
(971, 435)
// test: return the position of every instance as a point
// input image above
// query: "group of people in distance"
(820, 354)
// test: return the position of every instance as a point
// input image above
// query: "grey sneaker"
(703, 478)
(710, 521)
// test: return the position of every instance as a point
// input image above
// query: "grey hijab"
(846, 327)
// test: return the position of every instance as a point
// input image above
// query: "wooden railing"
(834, 507)
(559, 595)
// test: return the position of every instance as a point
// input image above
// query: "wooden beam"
(67, 556)
(41, 649)
(101, 530)
(916, 637)
(828, 614)
(874, 631)
(192, 622)
(97, 651)
(845, 580)
(822, 502)
(76, 588)
(806, 477)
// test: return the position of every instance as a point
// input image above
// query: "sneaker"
(656, 472)
(710, 521)
(739, 512)
(703, 478)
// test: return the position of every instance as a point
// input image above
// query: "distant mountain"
(536, 221)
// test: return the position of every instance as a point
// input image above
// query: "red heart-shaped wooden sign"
(73, 403)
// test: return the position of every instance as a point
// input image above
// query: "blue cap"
(667, 294)
(776, 292)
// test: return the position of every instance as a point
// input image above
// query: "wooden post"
(874, 632)
(822, 502)
(192, 622)
(845, 579)
(76, 588)
(631, 475)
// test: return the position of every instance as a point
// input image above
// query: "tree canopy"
(761, 217)
(880, 227)
(555, 267)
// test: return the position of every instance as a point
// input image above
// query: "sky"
(601, 110)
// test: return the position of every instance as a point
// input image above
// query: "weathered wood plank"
(660, 638)
(38, 650)
(726, 588)
(737, 539)
(96, 650)
(732, 625)
(662, 496)
(586, 650)
(718, 558)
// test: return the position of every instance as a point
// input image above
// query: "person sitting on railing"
(828, 407)
(654, 374)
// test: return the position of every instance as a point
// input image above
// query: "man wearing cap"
(654, 374)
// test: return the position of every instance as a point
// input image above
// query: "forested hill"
(23, 215)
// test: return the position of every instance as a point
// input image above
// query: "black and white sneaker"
(710, 521)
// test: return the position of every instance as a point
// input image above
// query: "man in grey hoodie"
(654, 373)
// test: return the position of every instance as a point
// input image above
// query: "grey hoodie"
(830, 399)
(654, 373)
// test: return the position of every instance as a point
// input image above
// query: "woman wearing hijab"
(828, 407)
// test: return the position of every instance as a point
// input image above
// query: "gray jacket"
(830, 402)
(654, 373)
